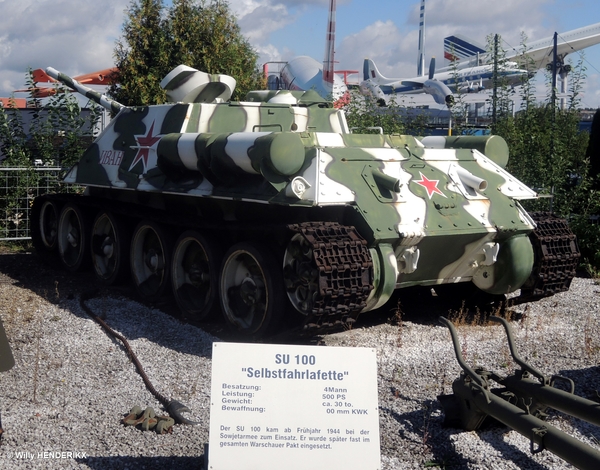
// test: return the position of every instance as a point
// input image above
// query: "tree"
(367, 115)
(141, 55)
(548, 153)
(593, 150)
(55, 134)
(203, 35)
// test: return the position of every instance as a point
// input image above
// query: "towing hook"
(175, 408)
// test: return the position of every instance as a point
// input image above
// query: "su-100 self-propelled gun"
(251, 206)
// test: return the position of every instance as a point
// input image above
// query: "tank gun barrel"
(99, 98)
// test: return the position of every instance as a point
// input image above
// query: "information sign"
(293, 407)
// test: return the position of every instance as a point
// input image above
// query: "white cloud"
(395, 51)
(76, 36)
(258, 24)
(381, 41)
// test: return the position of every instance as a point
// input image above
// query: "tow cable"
(136, 416)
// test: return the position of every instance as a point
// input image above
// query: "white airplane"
(380, 88)
(539, 53)
(305, 73)
(441, 84)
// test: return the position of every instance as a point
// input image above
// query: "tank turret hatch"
(187, 85)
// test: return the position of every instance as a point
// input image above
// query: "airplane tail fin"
(460, 48)
(40, 76)
(370, 72)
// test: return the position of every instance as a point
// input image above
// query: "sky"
(78, 36)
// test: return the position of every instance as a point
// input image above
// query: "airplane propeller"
(436, 88)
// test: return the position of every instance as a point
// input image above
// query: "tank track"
(556, 257)
(345, 276)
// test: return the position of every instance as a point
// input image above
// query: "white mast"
(328, 63)
(421, 58)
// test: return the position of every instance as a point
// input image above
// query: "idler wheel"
(301, 275)
(73, 238)
(251, 289)
(150, 260)
(195, 274)
(110, 239)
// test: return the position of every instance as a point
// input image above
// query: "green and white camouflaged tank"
(259, 207)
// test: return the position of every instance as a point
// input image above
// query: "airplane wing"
(415, 83)
(100, 77)
(540, 52)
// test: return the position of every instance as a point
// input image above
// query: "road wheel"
(110, 240)
(44, 225)
(73, 238)
(195, 274)
(251, 289)
(150, 260)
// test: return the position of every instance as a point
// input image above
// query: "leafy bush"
(57, 133)
(548, 153)
(365, 115)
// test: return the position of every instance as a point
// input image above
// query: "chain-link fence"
(18, 188)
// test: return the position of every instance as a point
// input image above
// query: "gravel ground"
(72, 383)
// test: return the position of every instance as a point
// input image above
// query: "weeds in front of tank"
(524, 315)
(397, 321)
(464, 347)
(446, 382)
(507, 362)
(464, 316)
(36, 367)
(427, 418)
(590, 337)
(27, 312)
(459, 317)
(435, 464)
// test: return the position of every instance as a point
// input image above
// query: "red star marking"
(430, 185)
(145, 143)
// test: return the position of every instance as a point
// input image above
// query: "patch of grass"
(15, 247)
(590, 337)
(397, 320)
